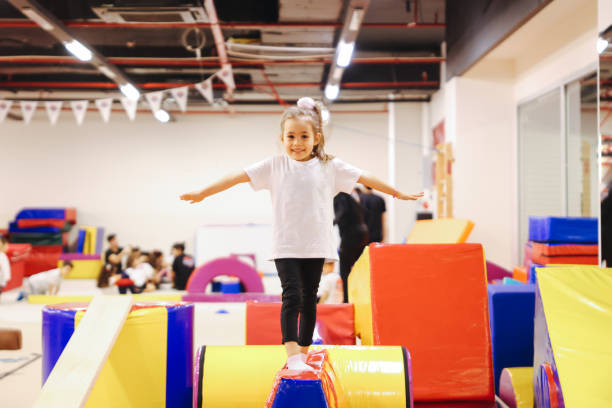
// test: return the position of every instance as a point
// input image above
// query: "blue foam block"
(230, 287)
(510, 281)
(531, 276)
(299, 394)
(563, 229)
(14, 228)
(81, 241)
(49, 213)
(511, 314)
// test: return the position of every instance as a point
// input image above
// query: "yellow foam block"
(84, 269)
(135, 373)
(360, 296)
(56, 299)
(440, 231)
(522, 384)
(578, 310)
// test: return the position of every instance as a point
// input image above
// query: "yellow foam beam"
(55, 299)
(81, 362)
(84, 268)
(359, 292)
(578, 310)
(440, 231)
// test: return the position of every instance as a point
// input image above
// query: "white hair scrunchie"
(306, 103)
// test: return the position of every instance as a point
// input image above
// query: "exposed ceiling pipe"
(168, 85)
(48, 22)
(219, 40)
(187, 62)
(242, 26)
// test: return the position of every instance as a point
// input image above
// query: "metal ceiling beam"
(52, 25)
(238, 26)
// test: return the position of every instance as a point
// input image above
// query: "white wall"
(127, 176)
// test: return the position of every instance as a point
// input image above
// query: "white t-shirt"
(140, 274)
(331, 285)
(42, 281)
(303, 202)
(5, 269)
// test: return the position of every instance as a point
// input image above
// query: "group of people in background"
(131, 270)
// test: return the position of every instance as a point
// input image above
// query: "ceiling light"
(162, 115)
(332, 91)
(37, 18)
(78, 50)
(107, 71)
(602, 44)
(130, 91)
(345, 52)
(356, 19)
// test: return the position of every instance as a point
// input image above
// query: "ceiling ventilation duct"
(150, 11)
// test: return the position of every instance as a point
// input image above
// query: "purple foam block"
(230, 297)
(506, 390)
(496, 272)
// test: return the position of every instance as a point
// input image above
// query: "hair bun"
(306, 102)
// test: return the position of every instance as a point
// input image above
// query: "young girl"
(302, 184)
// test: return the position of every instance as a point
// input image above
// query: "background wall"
(127, 176)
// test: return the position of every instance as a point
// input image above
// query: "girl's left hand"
(416, 196)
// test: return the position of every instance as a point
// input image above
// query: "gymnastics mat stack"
(431, 299)
(511, 314)
(573, 327)
(46, 229)
(561, 240)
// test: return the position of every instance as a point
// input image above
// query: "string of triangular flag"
(153, 99)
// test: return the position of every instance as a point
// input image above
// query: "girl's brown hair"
(310, 109)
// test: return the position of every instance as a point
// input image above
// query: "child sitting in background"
(140, 272)
(5, 266)
(45, 283)
(330, 287)
(162, 274)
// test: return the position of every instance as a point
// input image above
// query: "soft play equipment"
(10, 339)
(243, 376)
(150, 363)
(573, 327)
(83, 266)
(440, 231)
(515, 387)
(42, 258)
(496, 272)
(563, 229)
(563, 253)
(89, 240)
(232, 266)
(511, 313)
(431, 299)
(520, 274)
(17, 255)
(68, 214)
(335, 323)
(58, 299)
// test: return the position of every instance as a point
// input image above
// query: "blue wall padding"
(179, 381)
(511, 314)
(81, 240)
(563, 229)
(50, 213)
(13, 228)
(57, 328)
(299, 394)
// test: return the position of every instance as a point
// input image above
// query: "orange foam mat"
(335, 323)
(432, 299)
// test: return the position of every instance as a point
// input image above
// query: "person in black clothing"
(113, 257)
(353, 234)
(182, 266)
(374, 214)
(606, 230)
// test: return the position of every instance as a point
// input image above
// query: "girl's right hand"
(192, 197)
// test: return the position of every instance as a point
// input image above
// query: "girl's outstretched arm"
(371, 181)
(221, 185)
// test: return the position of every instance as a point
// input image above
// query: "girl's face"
(299, 138)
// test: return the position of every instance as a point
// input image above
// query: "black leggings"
(300, 280)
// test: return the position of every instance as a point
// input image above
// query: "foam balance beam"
(431, 299)
(243, 376)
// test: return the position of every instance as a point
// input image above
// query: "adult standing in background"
(353, 234)
(374, 214)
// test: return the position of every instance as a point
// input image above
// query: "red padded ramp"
(335, 323)
(432, 299)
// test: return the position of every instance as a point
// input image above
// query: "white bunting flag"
(5, 107)
(226, 76)
(130, 106)
(154, 99)
(79, 108)
(53, 110)
(104, 106)
(27, 110)
(206, 89)
(180, 95)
